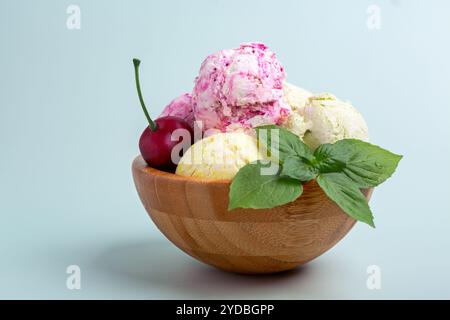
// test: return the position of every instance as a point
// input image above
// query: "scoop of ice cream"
(297, 98)
(332, 120)
(219, 156)
(180, 107)
(240, 88)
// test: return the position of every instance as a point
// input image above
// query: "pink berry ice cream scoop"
(240, 88)
(180, 107)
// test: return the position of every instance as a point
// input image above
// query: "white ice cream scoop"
(332, 120)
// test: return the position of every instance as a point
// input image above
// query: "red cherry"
(156, 146)
(156, 143)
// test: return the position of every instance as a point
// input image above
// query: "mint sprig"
(285, 141)
(341, 169)
(364, 163)
(250, 189)
(297, 168)
(339, 188)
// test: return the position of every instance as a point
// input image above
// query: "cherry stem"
(153, 125)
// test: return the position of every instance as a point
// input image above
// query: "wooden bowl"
(192, 213)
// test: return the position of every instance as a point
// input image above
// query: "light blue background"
(70, 122)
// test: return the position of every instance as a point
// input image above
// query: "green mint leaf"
(367, 165)
(288, 143)
(250, 189)
(343, 191)
(296, 168)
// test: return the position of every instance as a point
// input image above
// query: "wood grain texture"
(192, 213)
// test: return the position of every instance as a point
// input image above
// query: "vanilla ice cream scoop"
(297, 98)
(219, 156)
(332, 120)
(240, 88)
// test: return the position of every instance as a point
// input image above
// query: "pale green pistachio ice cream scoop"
(331, 120)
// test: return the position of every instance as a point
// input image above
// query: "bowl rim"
(140, 165)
